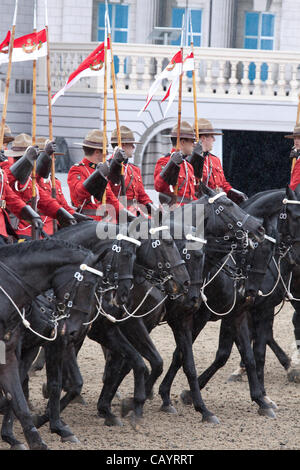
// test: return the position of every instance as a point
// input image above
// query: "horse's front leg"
(138, 335)
(199, 321)
(113, 339)
(11, 385)
(243, 340)
(54, 354)
(182, 330)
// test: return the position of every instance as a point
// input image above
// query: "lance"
(53, 183)
(34, 235)
(179, 101)
(104, 152)
(8, 75)
(194, 83)
(113, 76)
(297, 124)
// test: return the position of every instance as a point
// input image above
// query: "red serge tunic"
(134, 186)
(213, 174)
(9, 199)
(81, 198)
(295, 176)
(45, 204)
(46, 185)
(186, 180)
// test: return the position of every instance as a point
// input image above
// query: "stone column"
(222, 23)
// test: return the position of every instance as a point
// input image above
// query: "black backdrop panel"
(256, 161)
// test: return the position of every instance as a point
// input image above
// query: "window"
(118, 16)
(259, 34)
(196, 15)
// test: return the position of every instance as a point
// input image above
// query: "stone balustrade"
(239, 73)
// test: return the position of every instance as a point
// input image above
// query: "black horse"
(158, 255)
(118, 262)
(150, 307)
(178, 315)
(280, 282)
(270, 207)
(26, 270)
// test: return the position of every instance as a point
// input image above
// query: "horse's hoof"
(113, 421)
(237, 375)
(41, 446)
(45, 391)
(73, 439)
(170, 409)
(293, 375)
(19, 447)
(186, 397)
(268, 412)
(271, 403)
(80, 400)
(135, 421)
(212, 419)
(126, 406)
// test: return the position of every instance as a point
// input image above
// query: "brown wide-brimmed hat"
(186, 131)
(295, 134)
(20, 144)
(7, 135)
(127, 136)
(93, 140)
(205, 127)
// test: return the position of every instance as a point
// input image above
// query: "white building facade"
(247, 73)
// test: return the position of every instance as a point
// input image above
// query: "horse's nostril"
(186, 283)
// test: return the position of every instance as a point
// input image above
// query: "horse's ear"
(290, 194)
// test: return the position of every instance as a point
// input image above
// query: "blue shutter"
(251, 24)
(121, 20)
(177, 14)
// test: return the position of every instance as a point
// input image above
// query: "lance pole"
(53, 183)
(8, 75)
(104, 152)
(179, 101)
(34, 235)
(113, 77)
(194, 82)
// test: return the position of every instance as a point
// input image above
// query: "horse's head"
(74, 288)
(161, 259)
(118, 270)
(229, 219)
(194, 260)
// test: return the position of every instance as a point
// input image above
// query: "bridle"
(111, 276)
(63, 307)
(238, 233)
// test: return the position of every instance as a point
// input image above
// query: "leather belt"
(2, 204)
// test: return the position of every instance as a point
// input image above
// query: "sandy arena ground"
(241, 427)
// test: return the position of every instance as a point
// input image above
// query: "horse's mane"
(41, 246)
(264, 203)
